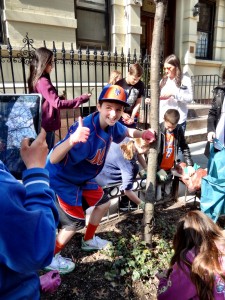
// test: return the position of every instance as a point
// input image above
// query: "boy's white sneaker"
(95, 244)
(62, 264)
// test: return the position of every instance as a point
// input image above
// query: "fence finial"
(27, 51)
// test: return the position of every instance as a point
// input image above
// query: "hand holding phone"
(21, 118)
(34, 154)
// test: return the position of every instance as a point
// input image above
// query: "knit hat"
(114, 93)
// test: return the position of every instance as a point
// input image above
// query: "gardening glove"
(50, 281)
(162, 175)
(143, 174)
(142, 205)
(148, 136)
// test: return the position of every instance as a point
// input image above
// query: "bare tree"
(156, 51)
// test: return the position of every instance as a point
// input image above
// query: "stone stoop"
(196, 130)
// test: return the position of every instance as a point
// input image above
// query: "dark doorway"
(147, 23)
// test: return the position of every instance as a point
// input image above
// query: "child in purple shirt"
(197, 268)
(39, 82)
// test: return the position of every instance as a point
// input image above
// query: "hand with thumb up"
(81, 134)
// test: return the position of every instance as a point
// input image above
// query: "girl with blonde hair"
(121, 166)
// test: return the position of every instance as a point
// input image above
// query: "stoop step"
(197, 123)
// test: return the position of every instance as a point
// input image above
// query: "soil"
(87, 281)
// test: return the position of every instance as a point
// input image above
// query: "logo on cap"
(114, 93)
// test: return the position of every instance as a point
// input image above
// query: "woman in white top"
(175, 90)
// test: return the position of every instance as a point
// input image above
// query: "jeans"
(183, 125)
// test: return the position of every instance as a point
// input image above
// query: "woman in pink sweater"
(197, 268)
(39, 82)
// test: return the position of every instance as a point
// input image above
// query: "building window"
(204, 47)
(92, 23)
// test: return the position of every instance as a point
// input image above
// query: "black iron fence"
(203, 86)
(78, 71)
(75, 71)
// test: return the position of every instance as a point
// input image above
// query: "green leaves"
(132, 260)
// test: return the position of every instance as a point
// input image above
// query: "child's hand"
(147, 100)
(81, 134)
(211, 135)
(34, 155)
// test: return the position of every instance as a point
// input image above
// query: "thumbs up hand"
(81, 134)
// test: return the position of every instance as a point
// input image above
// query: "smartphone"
(20, 117)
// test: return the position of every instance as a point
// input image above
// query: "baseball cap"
(114, 93)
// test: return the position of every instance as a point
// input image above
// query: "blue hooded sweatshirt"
(28, 219)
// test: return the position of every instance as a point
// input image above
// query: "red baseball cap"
(114, 93)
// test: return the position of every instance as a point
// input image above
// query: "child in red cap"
(74, 163)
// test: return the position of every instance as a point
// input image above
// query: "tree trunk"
(156, 51)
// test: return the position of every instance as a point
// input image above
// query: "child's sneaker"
(95, 244)
(63, 265)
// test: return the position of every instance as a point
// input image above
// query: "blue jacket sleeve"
(28, 220)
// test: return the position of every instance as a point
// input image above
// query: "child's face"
(142, 148)
(110, 113)
(169, 126)
(49, 66)
(132, 79)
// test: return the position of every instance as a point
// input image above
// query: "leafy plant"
(132, 260)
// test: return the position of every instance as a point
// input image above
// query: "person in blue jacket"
(76, 160)
(28, 221)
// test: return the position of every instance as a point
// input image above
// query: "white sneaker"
(95, 244)
(62, 264)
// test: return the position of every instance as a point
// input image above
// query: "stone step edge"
(204, 117)
(195, 131)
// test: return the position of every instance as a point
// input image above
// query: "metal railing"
(116, 195)
(78, 71)
(75, 71)
(203, 86)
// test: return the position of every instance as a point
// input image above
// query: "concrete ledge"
(193, 136)
(22, 17)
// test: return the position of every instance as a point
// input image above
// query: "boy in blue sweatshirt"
(76, 160)
(28, 220)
